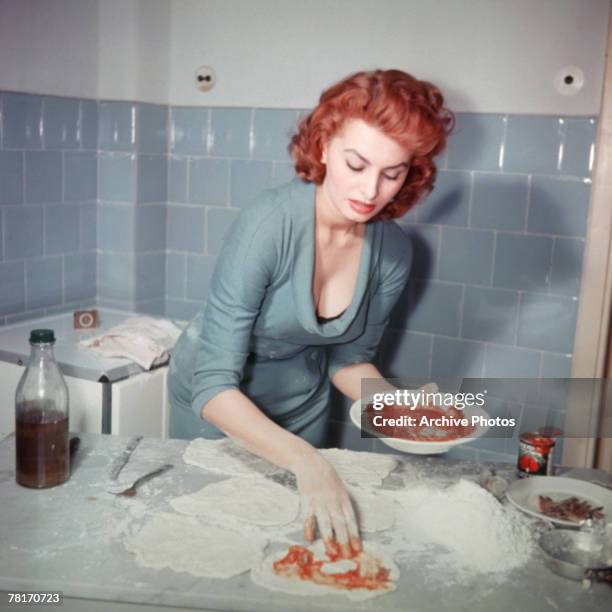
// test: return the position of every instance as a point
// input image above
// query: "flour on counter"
(465, 529)
(256, 500)
(225, 457)
(360, 468)
(184, 544)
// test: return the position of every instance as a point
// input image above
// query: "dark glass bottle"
(42, 455)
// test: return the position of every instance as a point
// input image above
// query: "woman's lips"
(361, 207)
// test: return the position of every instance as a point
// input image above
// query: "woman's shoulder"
(395, 243)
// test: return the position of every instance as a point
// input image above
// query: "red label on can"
(535, 454)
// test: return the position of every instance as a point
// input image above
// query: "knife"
(123, 458)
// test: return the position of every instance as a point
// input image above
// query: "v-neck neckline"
(303, 270)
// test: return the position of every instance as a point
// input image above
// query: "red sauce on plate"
(421, 430)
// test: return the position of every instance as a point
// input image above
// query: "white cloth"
(145, 340)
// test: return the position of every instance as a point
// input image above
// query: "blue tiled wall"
(48, 193)
(498, 244)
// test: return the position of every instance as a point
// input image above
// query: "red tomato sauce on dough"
(421, 432)
(300, 563)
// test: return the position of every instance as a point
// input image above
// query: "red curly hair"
(410, 111)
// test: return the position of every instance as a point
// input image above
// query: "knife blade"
(122, 459)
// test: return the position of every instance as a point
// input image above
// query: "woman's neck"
(332, 226)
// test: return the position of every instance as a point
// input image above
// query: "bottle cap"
(42, 336)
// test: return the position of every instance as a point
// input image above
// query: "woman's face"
(364, 170)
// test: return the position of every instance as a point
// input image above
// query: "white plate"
(524, 494)
(423, 447)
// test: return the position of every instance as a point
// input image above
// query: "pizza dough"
(360, 468)
(263, 574)
(184, 544)
(225, 457)
(375, 511)
(255, 500)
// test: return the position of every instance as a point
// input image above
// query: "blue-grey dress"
(259, 332)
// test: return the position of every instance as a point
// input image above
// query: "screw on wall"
(205, 78)
(569, 80)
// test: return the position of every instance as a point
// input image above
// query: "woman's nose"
(369, 187)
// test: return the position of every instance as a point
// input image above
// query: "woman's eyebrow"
(366, 161)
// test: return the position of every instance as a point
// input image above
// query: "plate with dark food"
(563, 501)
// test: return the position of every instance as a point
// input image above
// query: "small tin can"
(535, 454)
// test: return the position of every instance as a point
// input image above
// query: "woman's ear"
(324, 153)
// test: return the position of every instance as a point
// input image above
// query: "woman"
(305, 283)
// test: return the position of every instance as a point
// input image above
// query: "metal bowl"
(572, 553)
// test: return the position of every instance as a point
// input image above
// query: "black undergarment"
(327, 319)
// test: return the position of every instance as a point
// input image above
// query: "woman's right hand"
(327, 505)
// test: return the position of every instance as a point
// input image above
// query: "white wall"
(486, 55)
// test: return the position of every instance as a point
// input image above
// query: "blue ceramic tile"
(1, 239)
(177, 179)
(89, 227)
(79, 277)
(208, 181)
(283, 172)
(152, 128)
(466, 256)
(117, 179)
(404, 354)
(579, 145)
(248, 180)
(490, 314)
(461, 453)
(21, 121)
(175, 275)
(11, 177)
(499, 202)
(558, 206)
(117, 126)
(116, 276)
(150, 226)
(272, 131)
(116, 227)
(185, 231)
(182, 310)
(155, 307)
(522, 262)
(89, 125)
(80, 176)
(150, 275)
(556, 365)
(43, 282)
(12, 287)
(532, 144)
(61, 123)
(218, 222)
(453, 360)
(62, 225)
(425, 240)
(449, 202)
(547, 322)
(431, 307)
(230, 132)
(43, 176)
(152, 178)
(511, 362)
(567, 266)
(496, 436)
(475, 142)
(200, 269)
(23, 232)
(189, 130)
(496, 457)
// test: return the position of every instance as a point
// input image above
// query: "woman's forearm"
(348, 379)
(240, 419)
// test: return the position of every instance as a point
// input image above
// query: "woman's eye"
(354, 168)
(392, 178)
